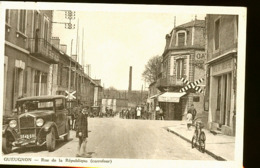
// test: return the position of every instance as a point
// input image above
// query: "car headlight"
(39, 122)
(13, 123)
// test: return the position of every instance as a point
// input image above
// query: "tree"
(152, 68)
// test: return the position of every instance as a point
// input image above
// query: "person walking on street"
(193, 112)
(157, 110)
(138, 112)
(189, 119)
(161, 114)
(82, 132)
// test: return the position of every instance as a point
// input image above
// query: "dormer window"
(181, 38)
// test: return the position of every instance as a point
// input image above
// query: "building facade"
(152, 100)
(35, 64)
(28, 55)
(222, 34)
(183, 57)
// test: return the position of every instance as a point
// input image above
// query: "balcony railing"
(42, 49)
(169, 81)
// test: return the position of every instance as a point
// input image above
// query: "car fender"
(47, 127)
(6, 129)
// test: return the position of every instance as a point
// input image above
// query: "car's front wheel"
(6, 145)
(51, 140)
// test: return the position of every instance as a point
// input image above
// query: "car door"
(61, 114)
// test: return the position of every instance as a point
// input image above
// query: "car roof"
(41, 97)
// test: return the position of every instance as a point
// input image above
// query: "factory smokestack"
(130, 79)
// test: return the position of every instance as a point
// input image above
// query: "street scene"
(126, 85)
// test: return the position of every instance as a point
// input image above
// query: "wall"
(228, 37)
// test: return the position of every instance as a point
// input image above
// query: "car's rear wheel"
(6, 145)
(51, 140)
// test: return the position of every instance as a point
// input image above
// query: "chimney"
(56, 42)
(63, 48)
(130, 79)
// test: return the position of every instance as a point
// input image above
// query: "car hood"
(38, 113)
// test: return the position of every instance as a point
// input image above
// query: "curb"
(206, 151)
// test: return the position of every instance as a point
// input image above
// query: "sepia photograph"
(122, 85)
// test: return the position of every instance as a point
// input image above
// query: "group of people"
(133, 113)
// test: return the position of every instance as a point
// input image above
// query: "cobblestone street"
(126, 139)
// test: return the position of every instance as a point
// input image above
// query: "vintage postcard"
(116, 85)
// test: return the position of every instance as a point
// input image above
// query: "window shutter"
(184, 68)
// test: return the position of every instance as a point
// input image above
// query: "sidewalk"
(221, 147)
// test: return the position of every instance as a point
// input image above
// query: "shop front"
(222, 96)
(171, 103)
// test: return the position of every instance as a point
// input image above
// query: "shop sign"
(222, 67)
(199, 59)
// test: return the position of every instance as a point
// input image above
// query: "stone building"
(222, 34)
(28, 55)
(35, 63)
(152, 100)
(183, 57)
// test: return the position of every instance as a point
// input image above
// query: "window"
(181, 39)
(21, 21)
(196, 99)
(44, 77)
(179, 68)
(7, 16)
(216, 34)
(46, 30)
(59, 104)
(36, 83)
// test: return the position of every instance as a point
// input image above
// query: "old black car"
(39, 120)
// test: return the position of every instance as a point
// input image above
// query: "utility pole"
(77, 45)
(82, 47)
(70, 65)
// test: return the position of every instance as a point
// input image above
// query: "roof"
(41, 97)
(196, 23)
(193, 23)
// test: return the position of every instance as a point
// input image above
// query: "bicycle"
(199, 137)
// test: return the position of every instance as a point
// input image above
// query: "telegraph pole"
(70, 65)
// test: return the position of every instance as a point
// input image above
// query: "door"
(177, 111)
(60, 113)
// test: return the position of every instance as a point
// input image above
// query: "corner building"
(183, 57)
(222, 35)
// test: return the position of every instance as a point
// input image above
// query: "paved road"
(121, 138)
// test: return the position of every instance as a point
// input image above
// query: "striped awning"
(171, 97)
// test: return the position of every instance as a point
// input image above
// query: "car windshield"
(34, 105)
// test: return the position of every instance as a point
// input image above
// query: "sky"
(114, 41)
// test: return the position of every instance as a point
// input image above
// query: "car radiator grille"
(26, 122)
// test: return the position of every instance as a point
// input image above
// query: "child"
(82, 132)
(189, 120)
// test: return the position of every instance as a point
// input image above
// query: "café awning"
(154, 96)
(173, 97)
